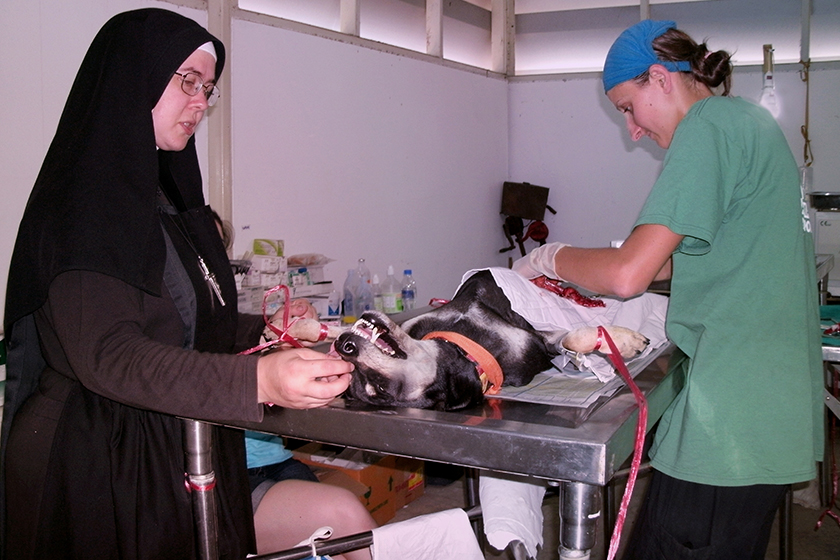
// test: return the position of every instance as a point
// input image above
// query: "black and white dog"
(450, 357)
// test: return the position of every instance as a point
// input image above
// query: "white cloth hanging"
(512, 510)
(445, 535)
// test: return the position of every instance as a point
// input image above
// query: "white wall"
(338, 149)
(565, 135)
(355, 153)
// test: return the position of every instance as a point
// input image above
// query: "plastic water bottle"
(363, 272)
(364, 296)
(392, 293)
(376, 289)
(334, 305)
(409, 290)
(351, 287)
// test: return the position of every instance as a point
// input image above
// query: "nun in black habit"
(113, 328)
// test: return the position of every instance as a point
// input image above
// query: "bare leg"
(292, 510)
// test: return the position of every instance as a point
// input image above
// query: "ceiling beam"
(503, 37)
(350, 17)
(541, 6)
(434, 28)
(220, 194)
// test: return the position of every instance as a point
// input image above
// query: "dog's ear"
(456, 384)
(453, 390)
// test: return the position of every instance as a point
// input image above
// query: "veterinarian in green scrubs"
(725, 216)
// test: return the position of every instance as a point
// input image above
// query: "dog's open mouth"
(372, 330)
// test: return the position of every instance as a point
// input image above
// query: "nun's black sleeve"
(124, 344)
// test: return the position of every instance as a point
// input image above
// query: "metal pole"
(201, 481)
(471, 493)
(579, 511)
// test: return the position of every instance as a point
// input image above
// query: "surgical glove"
(539, 262)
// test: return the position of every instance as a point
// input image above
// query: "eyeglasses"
(191, 84)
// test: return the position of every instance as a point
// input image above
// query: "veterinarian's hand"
(539, 262)
(301, 378)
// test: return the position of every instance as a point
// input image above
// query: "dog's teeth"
(372, 333)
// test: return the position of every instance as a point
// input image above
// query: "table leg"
(471, 492)
(580, 508)
(202, 482)
(832, 408)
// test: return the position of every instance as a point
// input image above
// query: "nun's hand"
(301, 378)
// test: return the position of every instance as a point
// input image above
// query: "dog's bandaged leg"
(307, 330)
(586, 339)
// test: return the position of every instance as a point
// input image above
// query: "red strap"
(599, 341)
(641, 428)
(282, 334)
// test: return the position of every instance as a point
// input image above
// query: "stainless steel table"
(581, 449)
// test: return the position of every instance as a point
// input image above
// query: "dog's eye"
(374, 389)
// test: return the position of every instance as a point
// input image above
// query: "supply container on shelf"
(351, 287)
(392, 293)
(409, 290)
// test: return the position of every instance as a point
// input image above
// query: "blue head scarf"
(632, 53)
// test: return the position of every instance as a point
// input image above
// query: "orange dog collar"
(488, 369)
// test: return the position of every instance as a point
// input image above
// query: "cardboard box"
(311, 290)
(250, 299)
(270, 247)
(316, 273)
(410, 481)
(269, 264)
(383, 483)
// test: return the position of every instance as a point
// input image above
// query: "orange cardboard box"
(383, 483)
(410, 481)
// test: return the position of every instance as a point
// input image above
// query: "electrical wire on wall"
(805, 170)
(804, 74)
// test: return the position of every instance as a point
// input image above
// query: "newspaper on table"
(571, 387)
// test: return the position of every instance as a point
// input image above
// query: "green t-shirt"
(744, 304)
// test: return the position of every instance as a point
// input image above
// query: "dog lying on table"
(450, 357)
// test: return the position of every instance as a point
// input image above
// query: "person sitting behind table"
(290, 504)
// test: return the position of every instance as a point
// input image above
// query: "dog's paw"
(585, 340)
(629, 343)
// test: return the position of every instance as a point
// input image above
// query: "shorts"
(263, 478)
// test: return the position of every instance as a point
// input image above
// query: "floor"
(445, 490)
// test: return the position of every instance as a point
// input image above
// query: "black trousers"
(682, 520)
